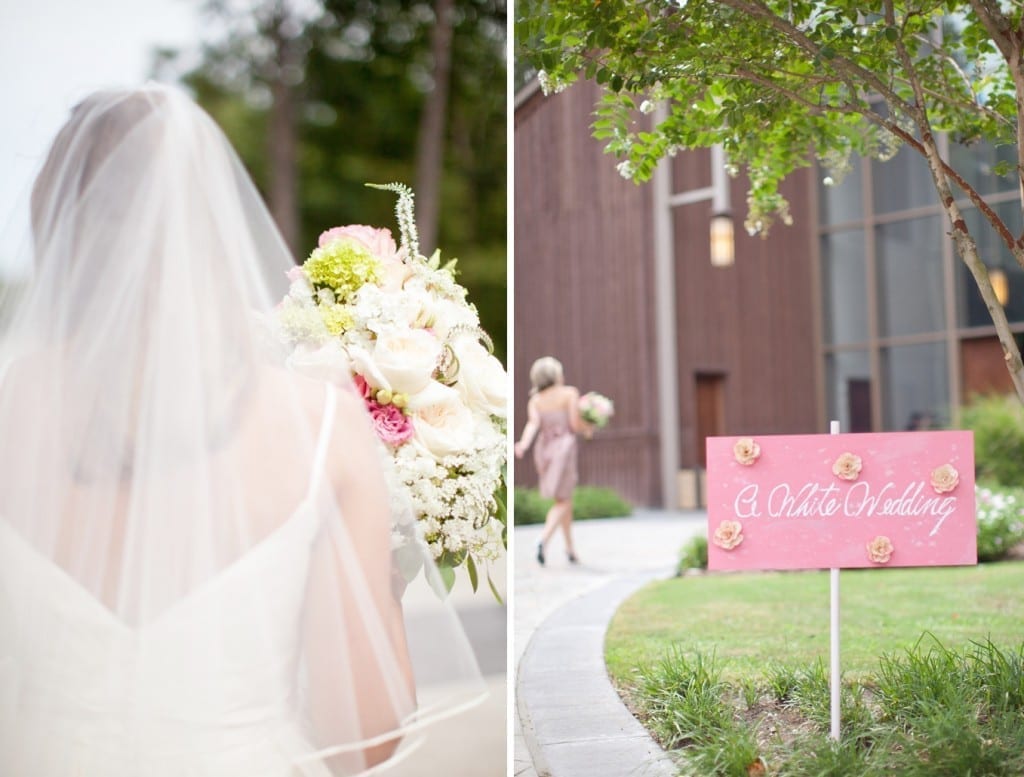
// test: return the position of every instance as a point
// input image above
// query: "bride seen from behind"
(195, 544)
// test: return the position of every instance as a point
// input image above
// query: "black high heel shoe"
(572, 558)
(540, 554)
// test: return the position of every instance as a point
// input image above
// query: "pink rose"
(392, 425)
(880, 550)
(378, 242)
(295, 274)
(364, 388)
(728, 534)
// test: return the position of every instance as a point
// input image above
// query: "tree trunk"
(968, 251)
(430, 141)
(282, 136)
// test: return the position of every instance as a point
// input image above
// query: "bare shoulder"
(352, 444)
(569, 396)
(311, 396)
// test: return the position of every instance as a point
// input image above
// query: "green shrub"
(694, 554)
(998, 426)
(594, 502)
(587, 502)
(1000, 521)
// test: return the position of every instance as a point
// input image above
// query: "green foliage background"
(364, 83)
(998, 426)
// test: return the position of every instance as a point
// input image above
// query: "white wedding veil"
(195, 544)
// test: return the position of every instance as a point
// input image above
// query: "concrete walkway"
(569, 720)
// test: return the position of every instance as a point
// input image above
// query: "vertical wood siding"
(752, 323)
(584, 265)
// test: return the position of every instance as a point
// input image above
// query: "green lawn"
(753, 620)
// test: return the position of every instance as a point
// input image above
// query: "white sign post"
(834, 631)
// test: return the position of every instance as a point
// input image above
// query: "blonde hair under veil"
(195, 544)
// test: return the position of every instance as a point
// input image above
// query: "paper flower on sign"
(880, 550)
(945, 479)
(847, 466)
(746, 451)
(728, 534)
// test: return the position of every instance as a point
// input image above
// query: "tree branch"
(852, 69)
(972, 194)
(950, 60)
(996, 24)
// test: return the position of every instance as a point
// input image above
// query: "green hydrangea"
(342, 266)
(337, 318)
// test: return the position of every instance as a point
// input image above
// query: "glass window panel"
(910, 277)
(903, 182)
(848, 387)
(971, 310)
(915, 386)
(842, 202)
(844, 280)
(976, 162)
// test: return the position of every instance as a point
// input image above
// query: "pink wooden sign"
(845, 500)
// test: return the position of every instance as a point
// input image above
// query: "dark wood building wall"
(745, 332)
(584, 287)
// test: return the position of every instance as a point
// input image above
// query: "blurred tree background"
(321, 96)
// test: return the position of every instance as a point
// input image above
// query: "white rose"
(443, 423)
(396, 273)
(326, 362)
(402, 361)
(448, 315)
(300, 290)
(481, 379)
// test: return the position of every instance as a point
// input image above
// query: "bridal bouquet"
(596, 409)
(400, 325)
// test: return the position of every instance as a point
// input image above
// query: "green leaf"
(1003, 168)
(447, 576)
(494, 589)
(891, 34)
(471, 568)
(501, 514)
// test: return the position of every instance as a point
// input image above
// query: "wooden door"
(710, 412)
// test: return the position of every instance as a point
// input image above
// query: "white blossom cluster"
(454, 498)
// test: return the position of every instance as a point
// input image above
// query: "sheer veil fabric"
(195, 544)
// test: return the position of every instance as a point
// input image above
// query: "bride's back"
(90, 518)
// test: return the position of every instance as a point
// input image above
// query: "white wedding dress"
(154, 717)
(196, 559)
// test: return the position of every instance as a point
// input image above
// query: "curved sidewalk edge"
(573, 721)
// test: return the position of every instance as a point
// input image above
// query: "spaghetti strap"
(323, 440)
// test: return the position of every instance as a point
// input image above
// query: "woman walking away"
(553, 420)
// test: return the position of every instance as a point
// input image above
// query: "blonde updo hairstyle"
(545, 372)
